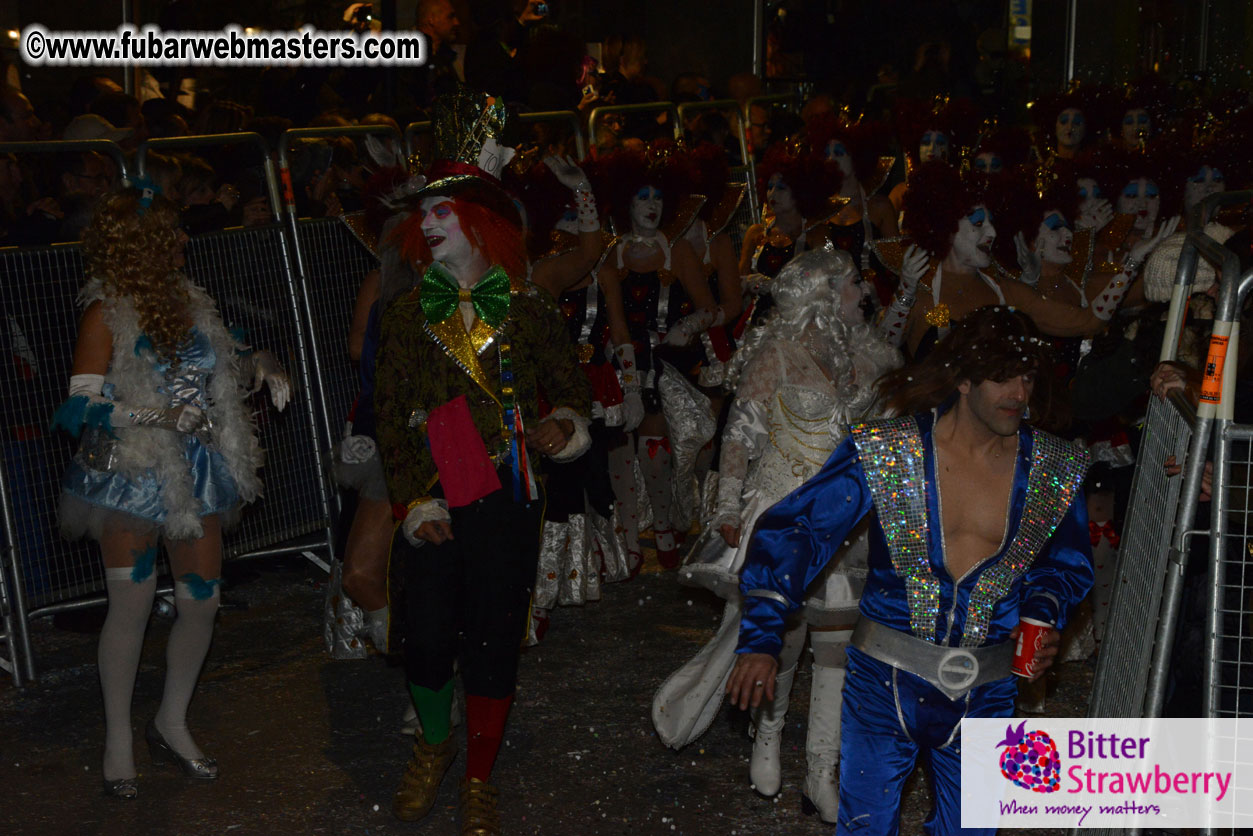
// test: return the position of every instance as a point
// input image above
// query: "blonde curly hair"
(134, 255)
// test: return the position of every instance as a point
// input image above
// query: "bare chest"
(974, 509)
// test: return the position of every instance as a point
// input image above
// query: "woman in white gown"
(799, 379)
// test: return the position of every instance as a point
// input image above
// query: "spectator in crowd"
(123, 111)
(437, 19)
(165, 117)
(85, 90)
(94, 126)
(18, 122)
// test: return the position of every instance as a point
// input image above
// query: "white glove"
(632, 410)
(754, 283)
(266, 370)
(573, 178)
(568, 173)
(1147, 244)
(1029, 261)
(914, 266)
(1096, 215)
(632, 403)
(692, 324)
(185, 418)
(433, 510)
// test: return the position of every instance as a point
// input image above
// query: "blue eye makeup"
(934, 138)
(1129, 119)
(838, 150)
(1078, 120)
(1132, 190)
(1055, 221)
(1151, 190)
(978, 216)
(1217, 175)
(648, 193)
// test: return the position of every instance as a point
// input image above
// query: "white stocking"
(189, 644)
(655, 463)
(622, 478)
(121, 642)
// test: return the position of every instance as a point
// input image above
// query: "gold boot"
(419, 786)
(478, 809)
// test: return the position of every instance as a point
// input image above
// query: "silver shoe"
(204, 769)
(123, 788)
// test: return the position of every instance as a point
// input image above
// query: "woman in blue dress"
(169, 451)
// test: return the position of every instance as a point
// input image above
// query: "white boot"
(764, 769)
(822, 745)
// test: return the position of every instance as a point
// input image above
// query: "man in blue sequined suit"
(979, 521)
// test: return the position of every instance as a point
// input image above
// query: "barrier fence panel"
(1122, 673)
(38, 291)
(599, 115)
(1232, 636)
(336, 262)
(244, 271)
(301, 271)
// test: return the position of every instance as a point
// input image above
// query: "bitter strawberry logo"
(1030, 759)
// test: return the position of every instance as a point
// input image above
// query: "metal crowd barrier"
(1162, 546)
(567, 117)
(249, 273)
(331, 281)
(598, 115)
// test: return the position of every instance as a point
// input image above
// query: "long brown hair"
(132, 254)
(990, 343)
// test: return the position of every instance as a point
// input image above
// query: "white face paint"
(933, 146)
(779, 196)
(972, 244)
(1140, 198)
(1202, 184)
(443, 231)
(1071, 128)
(988, 163)
(646, 210)
(836, 151)
(1135, 126)
(1053, 239)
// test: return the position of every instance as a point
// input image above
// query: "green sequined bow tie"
(441, 294)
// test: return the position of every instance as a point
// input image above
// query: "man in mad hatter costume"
(476, 378)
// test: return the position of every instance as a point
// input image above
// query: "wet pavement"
(311, 745)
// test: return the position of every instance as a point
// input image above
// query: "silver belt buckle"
(957, 670)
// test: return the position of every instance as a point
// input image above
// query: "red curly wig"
(545, 199)
(498, 237)
(865, 141)
(618, 177)
(812, 178)
(713, 173)
(937, 199)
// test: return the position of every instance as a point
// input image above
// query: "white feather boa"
(136, 380)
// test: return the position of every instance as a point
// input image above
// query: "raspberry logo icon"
(1030, 759)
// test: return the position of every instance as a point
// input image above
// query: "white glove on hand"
(266, 370)
(913, 267)
(632, 403)
(632, 410)
(568, 173)
(692, 324)
(1029, 261)
(434, 510)
(1096, 215)
(1145, 247)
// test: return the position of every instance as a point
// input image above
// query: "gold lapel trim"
(451, 336)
